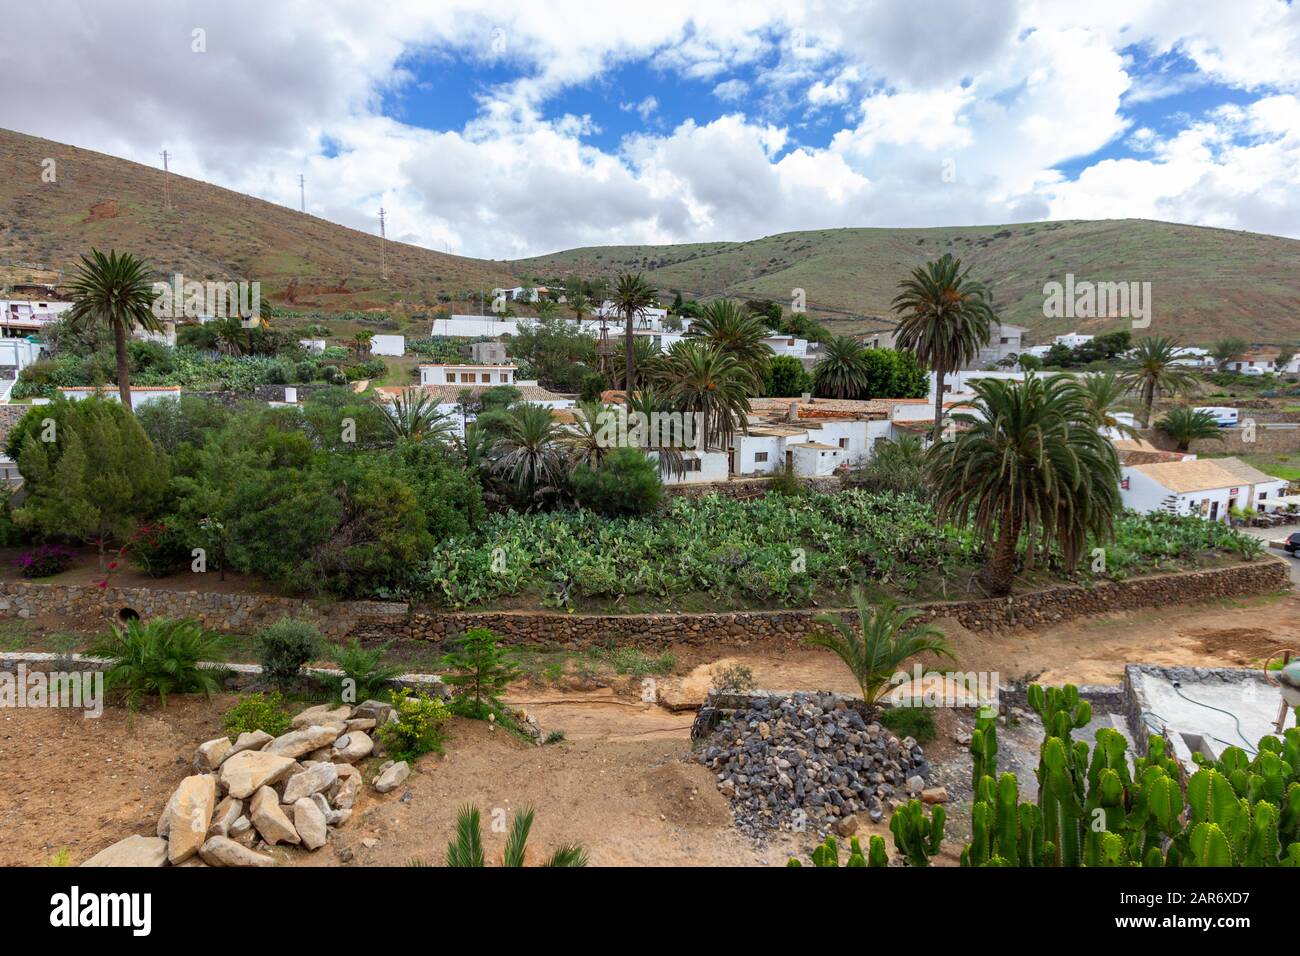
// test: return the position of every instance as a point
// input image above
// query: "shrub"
(625, 483)
(915, 722)
(418, 727)
(283, 649)
(158, 658)
(480, 673)
(364, 668)
(736, 677)
(258, 712)
(157, 550)
(43, 561)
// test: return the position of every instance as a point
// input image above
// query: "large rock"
(392, 777)
(310, 823)
(299, 743)
(244, 773)
(210, 754)
(270, 819)
(228, 811)
(352, 747)
(222, 851)
(250, 740)
(312, 780)
(133, 851)
(191, 816)
(375, 710)
(346, 789)
(321, 714)
(165, 821)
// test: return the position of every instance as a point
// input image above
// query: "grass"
(915, 722)
(1280, 464)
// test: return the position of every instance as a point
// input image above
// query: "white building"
(1072, 340)
(388, 345)
(701, 467)
(1207, 487)
(20, 317)
(467, 374)
(787, 345)
(1004, 341)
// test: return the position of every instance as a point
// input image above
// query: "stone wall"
(90, 608)
(1266, 441)
(747, 487)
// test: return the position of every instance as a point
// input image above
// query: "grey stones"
(392, 776)
(807, 761)
(352, 747)
(321, 714)
(210, 754)
(246, 772)
(222, 851)
(316, 778)
(299, 743)
(133, 851)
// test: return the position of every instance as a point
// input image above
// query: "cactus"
(915, 837)
(827, 854)
(984, 748)
(1060, 708)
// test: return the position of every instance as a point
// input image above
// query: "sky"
(503, 130)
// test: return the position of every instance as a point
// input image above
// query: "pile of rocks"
(260, 791)
(809, 761)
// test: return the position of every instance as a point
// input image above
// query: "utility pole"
(383, 262)
(302, 194)
(167, 196)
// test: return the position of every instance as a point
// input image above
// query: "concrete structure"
(488, 353)
(388, 345)
(787, 345)
(20, 317)
(140, 394)
(1004, 341)
(701, 467)
(467, 374)
(1072, 340)
(314, 346)
(1255, 362)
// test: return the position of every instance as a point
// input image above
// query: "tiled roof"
(1180, 477)
(1245, 472)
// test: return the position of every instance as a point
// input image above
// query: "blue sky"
(511, 129)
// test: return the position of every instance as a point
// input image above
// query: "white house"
(315, 346)
(476, 326)
(1072, 340)
(20, 317)
(1207, 487)
(787, 345)
(1004, 341)
(388, 345)
(701, 467)
(1193, 357)
(140, 394)
(467, 374)
(1255, 362)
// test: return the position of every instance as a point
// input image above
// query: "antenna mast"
(302, 194)
(383, 262)
(167, 196)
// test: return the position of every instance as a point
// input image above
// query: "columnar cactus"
(916, 837)
(984, 748)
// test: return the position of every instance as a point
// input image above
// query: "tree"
(1027, 460)
(699, 380)
(626, 482)
(1154, 370)
(361, 343)
(1228, 350)
(116, 292)
(632, 297)
(884, 639)
(1104, 393)
(786, 378)
(528, 453)
(738, 333)
(946, 317)
(1284, 356)
(1185, 426)
(582, 439)
(479, 672)
(95, 480)
(413, 416)
(842, 371)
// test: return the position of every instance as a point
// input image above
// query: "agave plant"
(466, 850)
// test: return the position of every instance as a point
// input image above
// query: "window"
(451, 376)
(693, 464)
(760, 457)
(844, 443)
(468, 377)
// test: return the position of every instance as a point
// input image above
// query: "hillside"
(209, 232)
(1206, 283)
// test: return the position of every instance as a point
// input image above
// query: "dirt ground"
(621, 783)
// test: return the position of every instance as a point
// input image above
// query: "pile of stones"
(810, 762)
(258, 791)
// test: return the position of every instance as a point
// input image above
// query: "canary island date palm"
(529, 455)
(115, 291)
(697, 379)
(877, 645)
(583, 441)
(466, 850)
(1153, 369)
(945, 317)
(1185, 426)
(842, 370)
(737, 332)
(1026, 459)
(1105, 393)
(632, 296)
(412, 415)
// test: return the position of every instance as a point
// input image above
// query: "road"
(1278, 534)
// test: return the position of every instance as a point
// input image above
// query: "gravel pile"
(807, 762)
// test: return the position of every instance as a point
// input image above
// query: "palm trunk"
(999, 572)
(938, 406)
(123, 370)
(1148, 403)
(630, 369)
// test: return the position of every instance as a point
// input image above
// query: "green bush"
(283, 649)
(364, 668)
(625, 483)
(255, 712)
(479, 672)
(418, 729)
(915, 722)
(157, 659)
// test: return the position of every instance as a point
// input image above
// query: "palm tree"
(739, 333)
(1105, 392)
(877, 648)
(632, 297)
(1028, 460)
(413, 416)
(466, 850)
(842, 370)
(1153, 369)
(114, 291)
(946, 317)
(583, 440)
(649, 402)
(1186, 426)
(580, 305)
(528, 454)
(361, 342)
(644, 354)
(698, 379)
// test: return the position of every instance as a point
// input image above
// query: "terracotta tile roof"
(450, 394)
(1127, 457)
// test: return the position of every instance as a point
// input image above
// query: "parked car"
(1292, 544)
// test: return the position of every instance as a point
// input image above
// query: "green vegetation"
(158, 659)
(914, 722)
(265, 712)
(466, 849)
(626, 482)
(479, 672)
(827, 854)
(1185, 426)
(418, 729)
(364, 669)
(284, 648)
(1153, 370)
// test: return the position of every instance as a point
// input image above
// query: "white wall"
(388, 345)
(109, 392)
(1146, 495)
(816, 462)
(714, 466)
(749, 446)
(456, 374)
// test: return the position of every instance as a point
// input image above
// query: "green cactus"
(916, 837)
(827, 854)
(1060, 708)
(984, 748)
